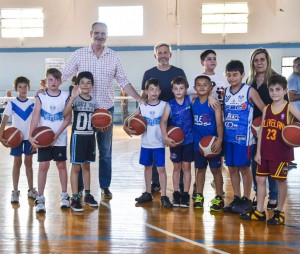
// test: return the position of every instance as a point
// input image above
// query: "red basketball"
(101, 118)
(176, 134)
(138, 123)
(291, 134)
(43, 135)
(205, 145)
(13, 136)
(256, 125)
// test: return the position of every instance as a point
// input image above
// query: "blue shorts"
(202, 162)
(237, 155)
(182, 153)
(24, 147)
(152, 156)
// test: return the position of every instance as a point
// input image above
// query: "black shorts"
(56, 153)
(82, 149)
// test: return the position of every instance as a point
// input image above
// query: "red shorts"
(276, 169)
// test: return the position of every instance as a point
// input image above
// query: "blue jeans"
(273, 188)
(104, 140)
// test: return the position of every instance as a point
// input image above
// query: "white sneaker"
(15, 196)
(40, 204)
(32, 193)
(64, 200)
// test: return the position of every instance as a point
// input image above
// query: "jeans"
(104, 140)
(155, 176)
(273, 188)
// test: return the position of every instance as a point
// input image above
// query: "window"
(19, 23)
(122, 20)
(225, 18)
(287, 66)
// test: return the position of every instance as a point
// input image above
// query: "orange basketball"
(176, 134)
(13, 136)
(138, 123)
(256, 125)
(205, 145)
(43, 135)
(291, 134)
(101, 118)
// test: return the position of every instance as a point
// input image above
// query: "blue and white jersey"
(238, 116)
(51, 114)
(153, 138)
(21, 113)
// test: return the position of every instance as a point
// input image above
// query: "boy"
(238, 114)
(207, 121)
(48, 112)
(178, 113)
(83, 142)
(274, 161)
(20, 109)
(152, 143)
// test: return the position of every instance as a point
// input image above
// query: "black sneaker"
(176, 198)
(76, 205)
(145, 197)
(194, 191)
(89, 200)
(185, 200)
(272, 204)
(106, 193)
(165, 202)
(228, 209)
(277, 219)
(155, 189)
(254, 215)
(243, 207)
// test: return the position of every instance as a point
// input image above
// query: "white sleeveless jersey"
(51, 114)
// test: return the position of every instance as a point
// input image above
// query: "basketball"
(205, 146)
(256, 125)
(101, 118)
(291, 134)
(176, 134)
(13, 136)
(43, 135)
(138, 123)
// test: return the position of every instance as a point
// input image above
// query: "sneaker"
(254, 203)
(243, 207)
(64, 200)
(185, 200)
(155, 189)
(89, 200)
(199, 201)
(40, 204)
(195, 190)
(106, 193)
(15, 197)
(176, 198)
(228, 209)
(254, 215)
(145, 197)
(277, 219)
(217, 204)
(32, 193)
(76, 205)
(165, 202)
(272, 204)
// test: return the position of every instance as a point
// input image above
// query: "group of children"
(231, 124)
(53, 108)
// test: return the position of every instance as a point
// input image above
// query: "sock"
(75, 196)
(87, 192)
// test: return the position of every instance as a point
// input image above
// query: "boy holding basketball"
(83, 143)
(274, 161)
(20, 109)
(207, 121)
(152, 143)
(238, 115)
(48, 111)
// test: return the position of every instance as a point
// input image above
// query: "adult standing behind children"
(105, 65)
(294, 84)
(165, 73)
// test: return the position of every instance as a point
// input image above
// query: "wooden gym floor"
(119, 226)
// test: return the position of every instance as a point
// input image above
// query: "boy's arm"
(257, 157)
(217, 145)
(163, 126)
(2, 127)
(294, 111)
(255, 98)
(128, 129)
(36, 115)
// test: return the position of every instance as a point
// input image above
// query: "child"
(152, 143)
(207, 121)
(238, 114)
(48, 112)
(178, 112)
(83, 142)
(274, 161)
(20, 109)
